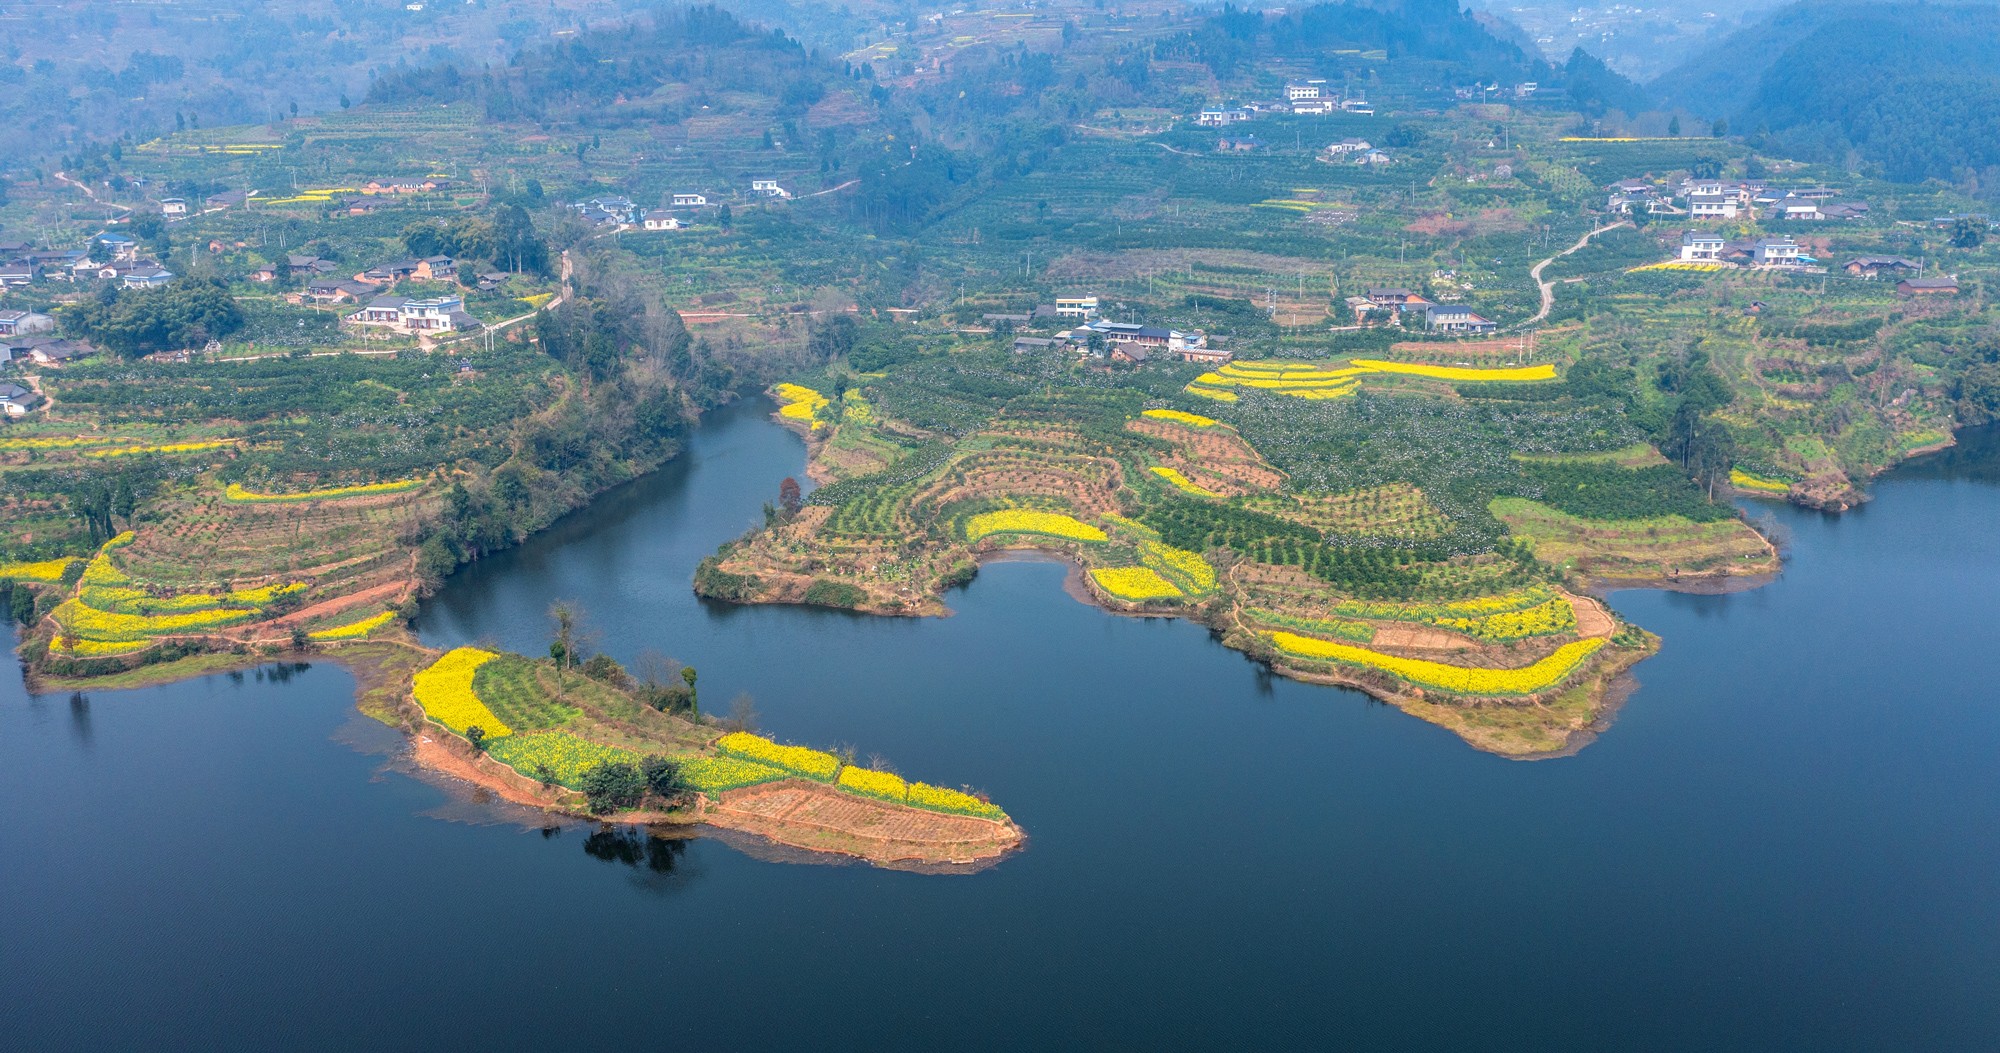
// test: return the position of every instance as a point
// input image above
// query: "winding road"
(1549, 288)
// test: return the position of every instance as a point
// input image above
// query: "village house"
(310, 264)
(173, 207)
(769, 188)
(1025, 344)
(661, 219)
(1239, 143)
(1315, 106)
(1312, 89)
(1456, 318)
(1877, 266)
(1396, 301)
(690, 200)
(1696, 246)
(1374, 157)
(23, 323)
(1778, 252)
(1147, 337)
(336, 290)
(1713, 206)
(1928, 287)
(607, 211)
(430, 268)
(227, 199)
(1218, 118)
(16, 401)
(439, 314)
(1076, 307)
(1798, 208)
(399, 186)
(1349, 146)
(15, 275)
(53, 352)
(119, 246)
(1358, 107)
(1206, 356)
(1130, 353)
(152, 277)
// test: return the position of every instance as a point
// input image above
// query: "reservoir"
(1789, 839)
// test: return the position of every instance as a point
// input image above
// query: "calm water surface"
(1789, 840)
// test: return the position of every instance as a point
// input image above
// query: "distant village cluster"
(621, 213)
(1408, 308)
(1730, 200)
(1092, 336)
(1305, 97)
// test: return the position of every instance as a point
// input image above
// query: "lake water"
(1789, 840)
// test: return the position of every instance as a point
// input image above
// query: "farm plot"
(1664, 547)
(1397, 510)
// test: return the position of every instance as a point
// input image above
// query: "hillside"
(1911, 88)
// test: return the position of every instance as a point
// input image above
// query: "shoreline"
(381, 671)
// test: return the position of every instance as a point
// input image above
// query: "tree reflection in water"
(661, 863)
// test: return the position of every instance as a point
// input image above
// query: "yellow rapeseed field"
(170, 447)
(1743, 480)
(236, 492)
(808, 762)
(939, 799)
(1461, 680)
(1134, 584)
(1027, 521)
(871, 783)
(1188, 566)
(445, 692)
(716, 774)
(1698, 266)
(60, 442)
(1182, 482)
(46, 572)
(1543, 371)
(1193, 420)
(91, 623)
(356, 629)
(265, 593)
(801, 404)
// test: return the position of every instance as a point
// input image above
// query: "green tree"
(477, 736)
(694, 705)
(664, 778)
(562, 647)
(187, 313)
(1674, 126)
(611, 787)
(1967, 232)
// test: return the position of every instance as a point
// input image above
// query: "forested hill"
(1435, 30)
(684, 72)
(1913, 88)
(671, 65)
